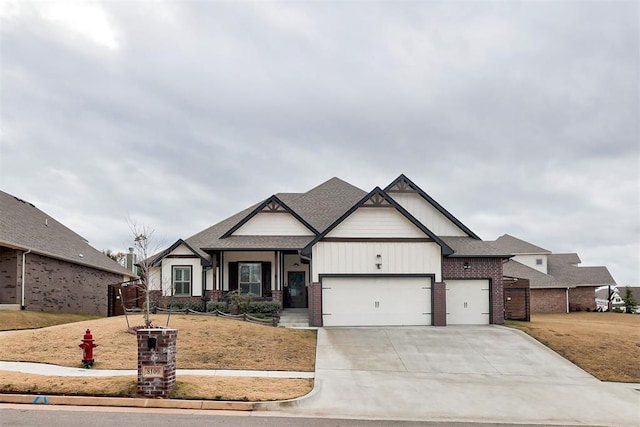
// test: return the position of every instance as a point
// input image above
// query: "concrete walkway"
(467, 374)
(64, 371)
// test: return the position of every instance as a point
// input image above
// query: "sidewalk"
(64, 371)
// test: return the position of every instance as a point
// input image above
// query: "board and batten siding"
(273, 224)
(428, 215)
(362, 257)
(376, 222)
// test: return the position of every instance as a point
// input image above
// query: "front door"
(297, 290)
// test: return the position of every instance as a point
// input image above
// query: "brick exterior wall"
(479, 268)
(554, 300)
(163, 353)
(55, 285)
(277, 296)
(582, 298)
(315, 304)
(10, 272)
(439, 317)
(548, 301)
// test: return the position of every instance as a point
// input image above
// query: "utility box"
(156, 361)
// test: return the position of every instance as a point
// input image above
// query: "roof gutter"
(24, 257)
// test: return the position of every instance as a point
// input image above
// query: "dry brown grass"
(16, 319)
(607, 345)
(203, 343)
(187, 387)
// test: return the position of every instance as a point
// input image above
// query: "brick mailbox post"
(156, 361)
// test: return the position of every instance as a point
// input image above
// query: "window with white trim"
(181, 280)
(250, 278)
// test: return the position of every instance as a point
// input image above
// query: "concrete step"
(294, 325)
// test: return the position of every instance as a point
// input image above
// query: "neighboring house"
(44, 266)
(617, 296)
(387, 257)
(557, 283)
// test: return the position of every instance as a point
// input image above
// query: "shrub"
(175, 306)
(216, 305)
(239, 302)
(194, 305)
(265, 307)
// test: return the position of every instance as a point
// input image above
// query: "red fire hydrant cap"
(88, 336)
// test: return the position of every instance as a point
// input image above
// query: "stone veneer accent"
(157, 347)
(54, 285)
(479, 268)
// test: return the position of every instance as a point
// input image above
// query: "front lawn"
(607, 345)
(203, 343)
(18, 319)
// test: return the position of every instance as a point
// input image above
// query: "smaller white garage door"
(467, 302)
(376, 301)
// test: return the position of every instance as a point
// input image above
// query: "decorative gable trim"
(378, 198)
(402, 184)
(156, 262)
(272, 205)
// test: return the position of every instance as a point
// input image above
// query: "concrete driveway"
(458, 373)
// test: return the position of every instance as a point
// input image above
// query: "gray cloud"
(518, 117)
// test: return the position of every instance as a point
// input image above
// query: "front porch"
(277, 275)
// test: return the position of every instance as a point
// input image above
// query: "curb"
(127, 402)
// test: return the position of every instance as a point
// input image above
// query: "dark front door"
(297, 290)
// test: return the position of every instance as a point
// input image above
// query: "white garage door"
(467, 302)
(376, 301)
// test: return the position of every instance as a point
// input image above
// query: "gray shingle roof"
(565, 269)
(319, 206)
(25, 227)
(563, 273)
(470, 247)
(516, 246)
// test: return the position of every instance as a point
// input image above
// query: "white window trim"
(250, 283)
(189, 268)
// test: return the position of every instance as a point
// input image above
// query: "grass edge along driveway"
(606, 345)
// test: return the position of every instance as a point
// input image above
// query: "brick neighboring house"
(557, 283)
(391, 256)
(45, 266)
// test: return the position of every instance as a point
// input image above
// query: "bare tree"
(145, 247)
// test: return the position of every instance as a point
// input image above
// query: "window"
(182, 280)
(538, 261)
(250, 278)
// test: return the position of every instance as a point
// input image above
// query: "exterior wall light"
(466, 266)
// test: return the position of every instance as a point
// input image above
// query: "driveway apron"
(459, 373)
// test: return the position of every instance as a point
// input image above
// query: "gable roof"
(517, 246)
(155, 259)
(402, 182)
(603, 293)
(25, 227)
(318, 207)
(273, 203)
(378, 197)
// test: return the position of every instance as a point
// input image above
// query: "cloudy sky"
(518, 117)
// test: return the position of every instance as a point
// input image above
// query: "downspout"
(24, 257)
(567, 298)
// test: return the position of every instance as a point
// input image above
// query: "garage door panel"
(373, 301)
(467, 302)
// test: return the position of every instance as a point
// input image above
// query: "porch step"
(9, 306)
(294, 318)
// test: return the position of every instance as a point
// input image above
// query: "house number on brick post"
(156, 361)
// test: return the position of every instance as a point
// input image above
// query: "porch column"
(276, 289)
